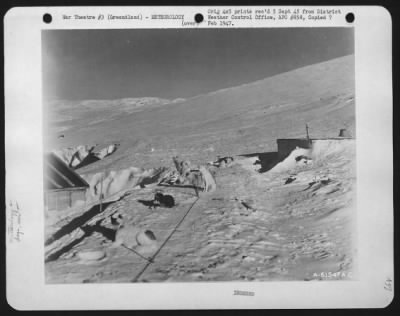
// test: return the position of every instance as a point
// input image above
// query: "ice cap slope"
(242, 119)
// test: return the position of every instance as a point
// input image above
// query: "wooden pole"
(308, 136)
(101, 193)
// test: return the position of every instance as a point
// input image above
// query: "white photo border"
(26, 287)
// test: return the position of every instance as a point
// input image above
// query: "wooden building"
(63, 187)
(287, 145)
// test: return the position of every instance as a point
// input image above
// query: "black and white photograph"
(199, 155)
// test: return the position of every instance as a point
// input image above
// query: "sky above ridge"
(177, 63)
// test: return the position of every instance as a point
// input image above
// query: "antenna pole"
(308, 136)
(101, 193)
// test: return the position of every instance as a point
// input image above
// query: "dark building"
(287, 145)
(63, 187)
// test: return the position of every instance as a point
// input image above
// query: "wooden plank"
(68, 189)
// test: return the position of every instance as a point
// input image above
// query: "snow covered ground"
(256, 225)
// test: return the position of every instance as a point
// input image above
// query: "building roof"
(58, 176)
(321, 138)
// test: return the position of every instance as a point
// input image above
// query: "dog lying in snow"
(163, 200)
(221, 162)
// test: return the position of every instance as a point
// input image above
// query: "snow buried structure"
(116, 181)
(299, 152)
(287, 145)
(63, 186)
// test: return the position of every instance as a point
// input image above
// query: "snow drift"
(322, 151)
(112, 182)
(76, 157)
(326, 149)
